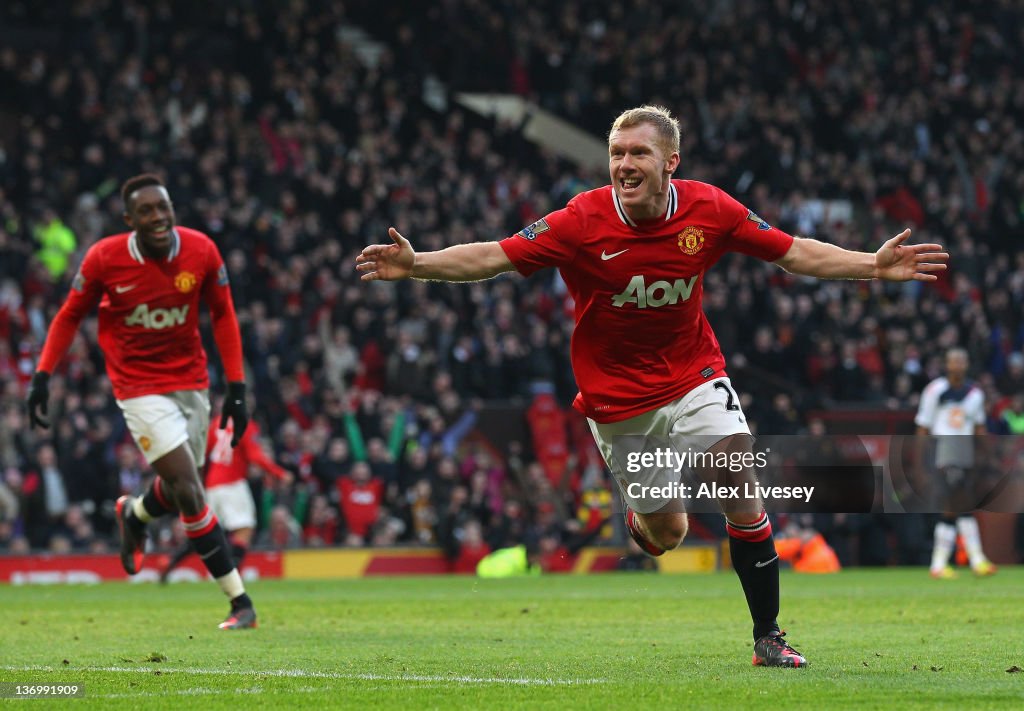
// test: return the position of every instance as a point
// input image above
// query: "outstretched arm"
(229, 344)
(84, 295)
(894, 261)
(255, 454)
(462, 262)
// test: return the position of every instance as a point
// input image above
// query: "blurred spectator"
(56, 243)
(559, 545)
(509, 528)
(55, 495)
(130, 470)
(806, 550)
(471, 548)
(1012, 418)
(79, 532)
(387, 530)
(282, 531)
(321, 528)
(332, 464)
(1011, 382)
(360, 496)
(421, 509)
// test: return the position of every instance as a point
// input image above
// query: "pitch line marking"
(302, 674)
(195, 691)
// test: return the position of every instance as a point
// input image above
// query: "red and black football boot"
(243, 618)
(133, 537)
(773, 651)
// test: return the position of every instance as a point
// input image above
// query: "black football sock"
(209, 541)
(240, 603)
(752, 548)
(238, 551)
(154, 504)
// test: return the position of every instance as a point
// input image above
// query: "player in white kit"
(953, 410)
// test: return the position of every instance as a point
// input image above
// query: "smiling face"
(151, 214)
(641, 167)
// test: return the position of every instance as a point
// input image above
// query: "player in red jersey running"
(227, 488)
(148, 284)
(633, 256)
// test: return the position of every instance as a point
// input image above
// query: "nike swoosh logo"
(122, 289)
(210, 553)
(605, 256)
(767, 562)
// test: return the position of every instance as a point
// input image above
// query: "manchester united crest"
(185, 282)
(691, 240)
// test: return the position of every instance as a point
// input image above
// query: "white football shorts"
(233, 505)
(159, 423)
(699, 419)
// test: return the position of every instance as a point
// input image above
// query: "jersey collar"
(670, 211)
(133, 248)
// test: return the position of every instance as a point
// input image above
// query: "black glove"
(234, 407)
(38, 399)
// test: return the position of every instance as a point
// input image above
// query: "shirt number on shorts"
(730, 396)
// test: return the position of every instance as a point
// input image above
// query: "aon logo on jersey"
(657, 294)
(157, 318)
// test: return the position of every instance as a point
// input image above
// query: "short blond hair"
(659, 117)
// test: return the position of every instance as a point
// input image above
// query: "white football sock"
(231, 584)
(968, 528)
(140, 510)
(945, 539)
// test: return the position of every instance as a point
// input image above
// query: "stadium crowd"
(282, 144)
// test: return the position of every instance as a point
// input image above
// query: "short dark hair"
(136, 183)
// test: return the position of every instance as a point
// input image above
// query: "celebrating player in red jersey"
(148, 284)
(227, 488)
(633, 256)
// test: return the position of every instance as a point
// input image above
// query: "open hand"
(387, 262)
(896, 261)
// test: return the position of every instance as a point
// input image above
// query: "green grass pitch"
(875, 639)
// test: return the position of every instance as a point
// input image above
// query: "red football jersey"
(641, 338)
(149, 313)
(228, 464)
(360, 503)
